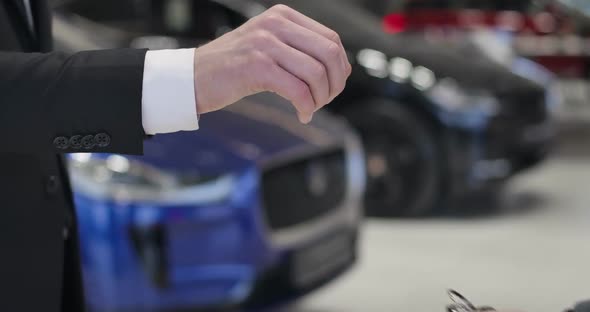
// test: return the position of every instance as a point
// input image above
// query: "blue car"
(253, 209)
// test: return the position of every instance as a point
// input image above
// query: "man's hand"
(280, 51)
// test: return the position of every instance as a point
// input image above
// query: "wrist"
(201, 101)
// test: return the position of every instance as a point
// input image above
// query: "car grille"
(304, 190)
(524, 108)
(520, 131)
(518, 112)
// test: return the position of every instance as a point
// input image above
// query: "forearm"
(48, 96)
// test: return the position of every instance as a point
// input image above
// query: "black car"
(438, 126)
(552, 33)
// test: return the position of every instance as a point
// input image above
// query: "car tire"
(403, 159)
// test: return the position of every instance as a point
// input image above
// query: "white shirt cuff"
(168, 99)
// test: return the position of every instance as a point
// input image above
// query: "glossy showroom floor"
(534, 256)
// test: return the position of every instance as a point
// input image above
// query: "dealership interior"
(457, 157)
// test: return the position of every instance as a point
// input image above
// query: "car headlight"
(122, 179)
(451, 97)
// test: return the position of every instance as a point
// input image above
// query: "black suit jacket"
(51, 103)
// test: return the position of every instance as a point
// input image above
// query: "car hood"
(257, 131)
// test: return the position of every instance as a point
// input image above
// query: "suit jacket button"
(61, 142)
(88, 142)
(52, 185)
(76, 141)
(102, 140)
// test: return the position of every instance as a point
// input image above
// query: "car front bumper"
(483, 159)
(150, 257)
(137, 260)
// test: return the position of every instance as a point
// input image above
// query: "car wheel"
(403, 162)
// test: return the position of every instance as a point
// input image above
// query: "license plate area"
(319, 261)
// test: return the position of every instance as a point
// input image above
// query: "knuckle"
(333, 50)
(318, 71)
(348, 69)
(262, 39)
(259, 36)
(263, 62)
(280, 8)
(271, 21)
(334, 36)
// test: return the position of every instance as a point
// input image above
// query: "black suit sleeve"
(84, 102)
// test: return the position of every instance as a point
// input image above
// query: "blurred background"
(457, 157)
